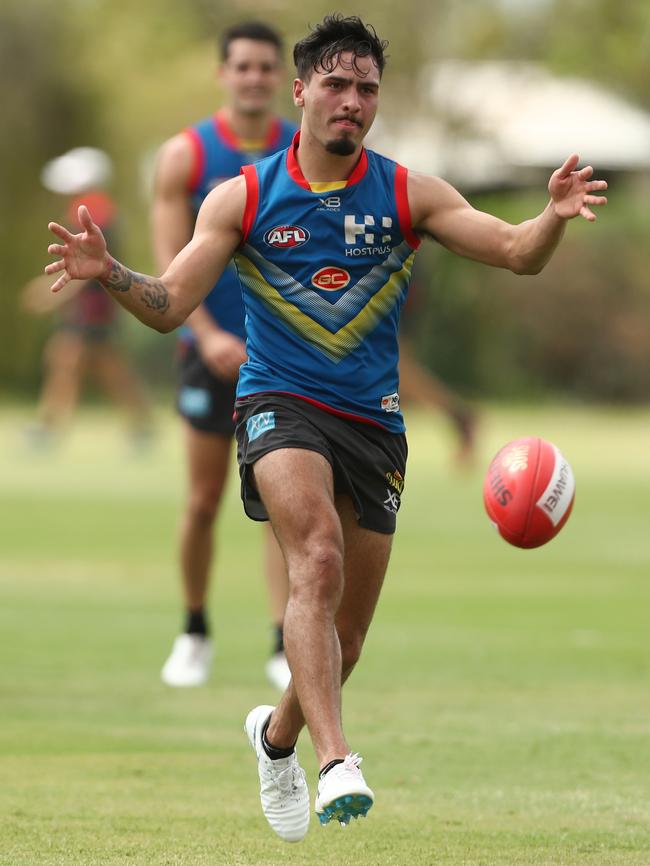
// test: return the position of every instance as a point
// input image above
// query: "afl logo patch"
(285, 237)
(331, 279)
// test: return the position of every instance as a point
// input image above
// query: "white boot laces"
(352, 762)
(290, 780)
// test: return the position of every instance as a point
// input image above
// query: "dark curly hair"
(322, 47)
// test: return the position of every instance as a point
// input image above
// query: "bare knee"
(63, 354)
(351, 645)
(203, 505)
(316, 574)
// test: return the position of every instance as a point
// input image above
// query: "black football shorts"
(368, 462)
(205, 401)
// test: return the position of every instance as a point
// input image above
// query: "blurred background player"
(84, 336)
(212, 348)
(420, 387)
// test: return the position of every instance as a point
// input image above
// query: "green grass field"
(502, 705)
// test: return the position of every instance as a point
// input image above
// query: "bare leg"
(208, 458)
(366, 560)
(277, 580)
(64, 357)
(208, 461)
(122, 384)
(298, 490)
(276, 575)
(321, 544)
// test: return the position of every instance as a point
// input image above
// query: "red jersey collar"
(228, 135)
(296, 174)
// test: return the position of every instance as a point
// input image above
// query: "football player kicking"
(321, 441)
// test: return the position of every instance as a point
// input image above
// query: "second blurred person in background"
(84, 341)
(211, 346)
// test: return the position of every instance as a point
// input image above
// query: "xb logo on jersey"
(332, 202)
(285, 237)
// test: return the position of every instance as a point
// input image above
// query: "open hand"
(84, 255)
(571, 190)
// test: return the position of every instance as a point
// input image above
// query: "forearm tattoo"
(151, 290)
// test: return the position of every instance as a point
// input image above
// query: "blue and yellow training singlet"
(219, 155)
(324, 275)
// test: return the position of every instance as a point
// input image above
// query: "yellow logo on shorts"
(395, 480)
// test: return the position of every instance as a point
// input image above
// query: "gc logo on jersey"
(285, 237)
(330, 279)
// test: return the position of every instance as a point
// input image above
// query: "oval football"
(528, 492)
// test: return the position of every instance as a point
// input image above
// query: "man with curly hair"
(324, 235)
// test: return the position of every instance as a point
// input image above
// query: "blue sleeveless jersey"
(218, 156)
(324, 276)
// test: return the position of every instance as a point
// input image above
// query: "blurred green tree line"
(124, 78)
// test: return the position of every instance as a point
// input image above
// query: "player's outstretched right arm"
(161, 302)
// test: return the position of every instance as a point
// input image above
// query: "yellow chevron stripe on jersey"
(331, 315)
(338, 344)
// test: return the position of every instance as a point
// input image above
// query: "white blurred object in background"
(77, 171)
(492, 123)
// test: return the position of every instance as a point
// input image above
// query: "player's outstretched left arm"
(439, 210)
(161, 302)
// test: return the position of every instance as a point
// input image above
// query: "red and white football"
(528, 492)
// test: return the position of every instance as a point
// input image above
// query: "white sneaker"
(277, 671)
(189, 662)
(283, 789)
(343, 793)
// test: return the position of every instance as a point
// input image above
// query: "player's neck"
(247, 126)
(320, 166)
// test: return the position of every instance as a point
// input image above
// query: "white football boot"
(189, 662)
(283, 789)
(277, 671)
(343, 793)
